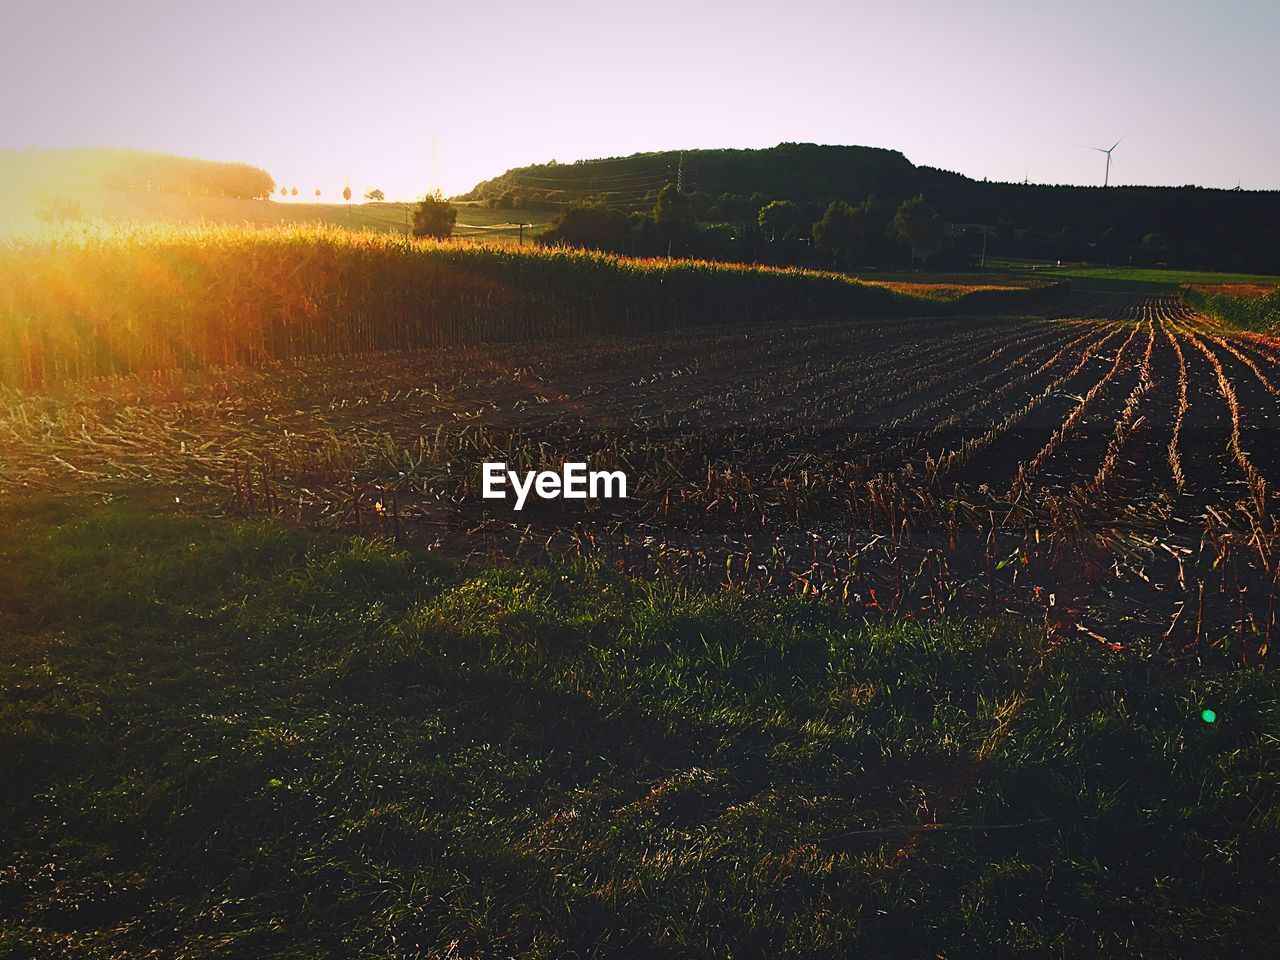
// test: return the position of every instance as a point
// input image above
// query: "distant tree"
(871, 219)
(509, 200)
(593, 226)
(1109, 235)
(284, 191)
(673, 218)
(777, 218)
(700, 203)
(721, 241)
(838, 230)
(376, 195)
(134, 171)
(644, 233)
(671, 205)
(917, 225)
(293, 191)
(1154, 241)
(434, 217)
(346, 194)
(317, 193)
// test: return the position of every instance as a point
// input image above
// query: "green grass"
(1143, 280)
(237, 739)
(485, 223)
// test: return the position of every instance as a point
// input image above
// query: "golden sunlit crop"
(87, 301)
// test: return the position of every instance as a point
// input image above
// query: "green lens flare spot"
(1208, 716)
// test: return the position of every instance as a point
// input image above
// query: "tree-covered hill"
(794, 171)
(1182, 226)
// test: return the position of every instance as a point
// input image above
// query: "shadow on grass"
(245, 739)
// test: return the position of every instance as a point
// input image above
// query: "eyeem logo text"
(573, 482)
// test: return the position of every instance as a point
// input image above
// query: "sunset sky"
(322, 93)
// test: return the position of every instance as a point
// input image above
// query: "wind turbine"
(1107, 177)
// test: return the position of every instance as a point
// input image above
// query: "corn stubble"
(1106, 472)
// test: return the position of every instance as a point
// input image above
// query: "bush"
(593, 228)
(434, 217)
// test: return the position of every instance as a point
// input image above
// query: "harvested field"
(1108, 469)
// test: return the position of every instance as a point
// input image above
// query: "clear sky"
(323, 92)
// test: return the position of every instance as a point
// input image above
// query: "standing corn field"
(154, 299)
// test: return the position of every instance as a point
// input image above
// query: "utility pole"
(984, 247)
(680, 174)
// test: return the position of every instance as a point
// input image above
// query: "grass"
(243, 739)
(1145, 280)
(481, 222)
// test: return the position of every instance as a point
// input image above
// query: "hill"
(68, 184)
(1178, 226)
(793, 171)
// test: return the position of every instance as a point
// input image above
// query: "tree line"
(1179, 226)
(133, 172)
(839, 235)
